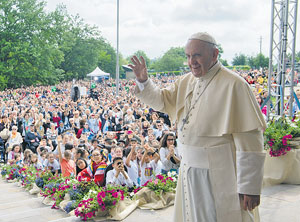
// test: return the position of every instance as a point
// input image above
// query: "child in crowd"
(16, 149)
(16, 160)
(81, 164)
(118, 175)
(67, 165)
(27, 157)
(35, 162)
(132, 165)
(148, 163)
(95, 171)
(52, 164)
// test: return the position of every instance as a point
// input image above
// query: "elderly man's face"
(201, 56)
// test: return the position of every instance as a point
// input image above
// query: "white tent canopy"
(98, 73)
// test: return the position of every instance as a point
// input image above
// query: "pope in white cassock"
(220, 136)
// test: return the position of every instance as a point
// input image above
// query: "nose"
(192, 60)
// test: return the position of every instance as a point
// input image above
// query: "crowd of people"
(105, 138)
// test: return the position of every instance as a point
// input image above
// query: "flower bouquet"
(157, 193)
(101, 202)
(279, 135)
(281, 142)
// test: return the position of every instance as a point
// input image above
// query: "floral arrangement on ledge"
(85, 197)
(279, 135)
(162, 183)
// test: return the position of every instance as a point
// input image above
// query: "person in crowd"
(67, 165)
(39, 121)
(132, 165)
(27, 157)
(52, 164)
(45, 146)
(118, 176)
(35, 162)
(81, 164)
(148, 164)
(61, 129)
(96, 169)
(14, 137)
(66, 118)
(93, 124)
(32, 138)
(237, 131)
(168, 153)
(55, 119)
(52, 135)
(17, 160)
(16, 149)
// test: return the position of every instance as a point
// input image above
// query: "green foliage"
(172, 60)
(239, 67)
(223, 61)
(278, 134)
(239, 59)
(29, 54)
(141, 53)
(260, 61)
(43, 48)
(221, 51)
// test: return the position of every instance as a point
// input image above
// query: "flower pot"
(282, 169)
(295, 143)
(149, 200)
(122, 209)
(35, 190)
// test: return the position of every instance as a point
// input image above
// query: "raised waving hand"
(139, 68)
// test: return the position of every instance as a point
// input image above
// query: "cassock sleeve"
(249, 161)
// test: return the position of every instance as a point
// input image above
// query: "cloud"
(157, 25)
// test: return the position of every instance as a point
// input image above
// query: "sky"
(155, 26)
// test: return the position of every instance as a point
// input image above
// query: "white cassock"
(221, 143)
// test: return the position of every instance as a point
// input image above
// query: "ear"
(215, 54)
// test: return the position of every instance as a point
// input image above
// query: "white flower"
(6, 176)
(131, 194)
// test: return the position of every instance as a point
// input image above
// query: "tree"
(141, 53)
(239, 60)
(223, 61)
(29, 55)
(172, 60)
(260, 61)
(43, 48)
(221, 51)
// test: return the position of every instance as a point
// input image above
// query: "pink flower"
(160, 177)
(90, 214)
(156, 181)
(115, 195)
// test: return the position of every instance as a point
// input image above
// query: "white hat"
(203, 36)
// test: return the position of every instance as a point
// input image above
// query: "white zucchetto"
(203, 36)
